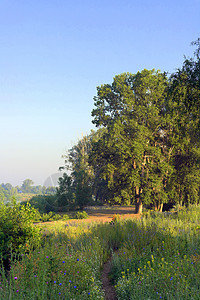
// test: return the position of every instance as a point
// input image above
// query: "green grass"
(156, 257)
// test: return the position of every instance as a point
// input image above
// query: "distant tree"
(2, 194)
(7, 186)
(83, 185)
(65, 193)
(50, 190)
(7, 191)
(27, 185)
(81, 178)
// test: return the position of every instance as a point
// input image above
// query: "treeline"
(8, 192)
(146, 150)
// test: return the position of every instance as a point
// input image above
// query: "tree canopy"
(146, 149)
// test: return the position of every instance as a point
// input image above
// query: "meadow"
(154, 257)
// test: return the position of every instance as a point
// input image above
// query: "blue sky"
(53, 55)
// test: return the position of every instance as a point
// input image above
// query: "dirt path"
(107, 285)
(99, 214)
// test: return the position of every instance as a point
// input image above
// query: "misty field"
(154, 257)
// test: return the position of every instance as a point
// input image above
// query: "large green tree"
(134, 153)
(184, 107)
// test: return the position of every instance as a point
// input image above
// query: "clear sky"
(53, 55)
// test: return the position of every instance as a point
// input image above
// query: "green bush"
(44, 203)
(17, 232)
(81, 215)
(56, 217)
(47, 217)
(65, 217)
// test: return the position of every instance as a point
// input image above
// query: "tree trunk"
(158, 206)
(138, 207)
(138, 202)
(161, 207)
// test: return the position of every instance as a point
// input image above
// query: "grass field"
(156, 256)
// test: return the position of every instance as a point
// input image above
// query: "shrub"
(115, 218)
(56, 217)
(65, 217)
(44, 203)
(17, 232)
(81, 215)
(47, 217)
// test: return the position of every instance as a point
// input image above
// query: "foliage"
(27, 187)
(81, 215)
(133, 154)
(65, 217)
(184, 107)
(80, 188)
(61, 268)
(154, 257)
(149, 152)
(56, 217)
(115, 218)
(46, 217)
(160, 259)
(17, 231)
(66, 198)
(43, 203)
(7, 192)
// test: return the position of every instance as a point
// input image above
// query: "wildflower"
(70, 281)
(89, 293)
(75, 286)
(15, 278)
(47, 257)
(60, 283)
(54, 281)
(59, 293)
(140, 282)
(17, 291)
(77, 259)
(35, 275)
(63, 261)
(65, 273)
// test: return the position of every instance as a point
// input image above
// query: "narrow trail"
(107, 285)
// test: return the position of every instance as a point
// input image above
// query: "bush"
(17, 232)
(65, 217)
(44, 203)
(56, 217)
(81, 215)
(115, 218)
(47, 217)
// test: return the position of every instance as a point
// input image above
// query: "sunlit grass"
(155, 257)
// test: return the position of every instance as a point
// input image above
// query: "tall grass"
(160, 259)
(155, 257)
